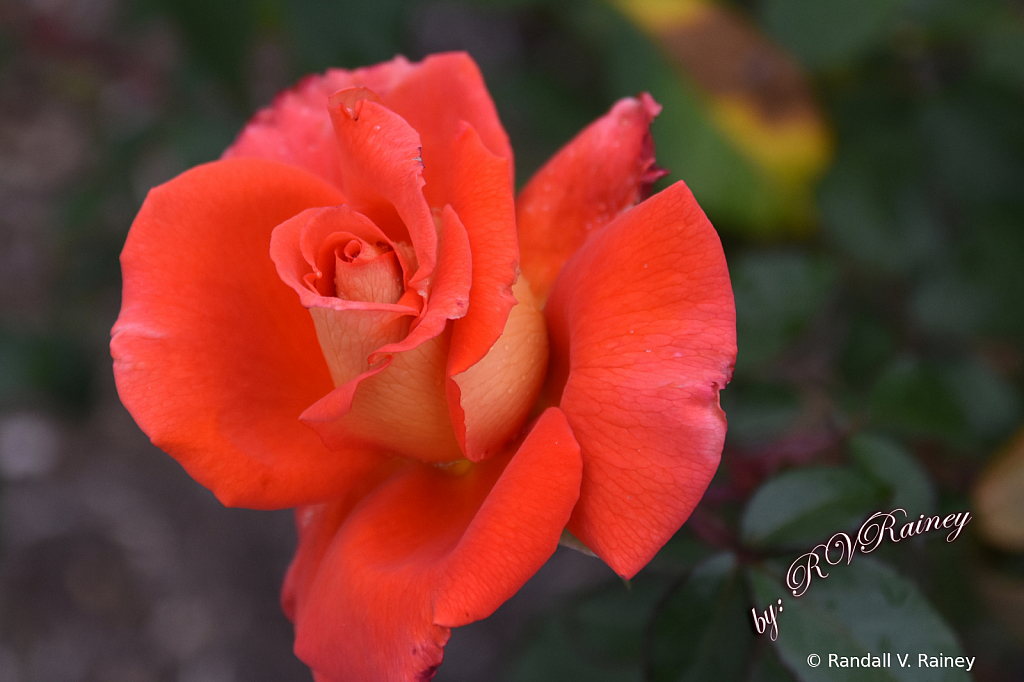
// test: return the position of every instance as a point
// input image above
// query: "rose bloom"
(349, 313)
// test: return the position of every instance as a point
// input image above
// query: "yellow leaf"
(999, 497)
(754, 93)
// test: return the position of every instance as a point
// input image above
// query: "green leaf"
(1002, 51)
(776, 296)
(681, 552)
(886, 461)
(946, 304)
(805, 505)
(349, 35)
(830, 34)
(594, 637)
(993, 252)
(865, 608)
(913, 398)
(974, 148)
(768, 668)
(990, 404)
(869, 347)
(759, 412)
(701, 632)
(552, 656)
(219, 35)
(886, 225)
(607, 624)
(737, 194)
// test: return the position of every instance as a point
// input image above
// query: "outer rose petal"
(212, 355)
(603, 171)
(433, 95)
(642, 323)
(426, 551)
(435, 99)
(296, 129)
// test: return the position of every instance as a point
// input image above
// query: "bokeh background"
(863, 161)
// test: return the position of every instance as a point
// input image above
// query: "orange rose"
(332, 317)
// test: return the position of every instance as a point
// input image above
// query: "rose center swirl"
(352, 269)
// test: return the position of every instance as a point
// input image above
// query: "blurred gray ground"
(117, 567)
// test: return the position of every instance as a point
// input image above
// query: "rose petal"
(510, 537)
(604, 170)
(492, 399)
(482, 198)
(317, 525)
(212, 355)
(444, 91)
(433, 95)
(642, 324)
(348, 331)
(382, 172)
(295, 246)
(381, 157)
(409, 379)
(296, 128)
(426, 551)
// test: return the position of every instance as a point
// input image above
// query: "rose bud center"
(354, 281)
(352, 269)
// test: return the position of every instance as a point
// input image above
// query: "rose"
(331, 317)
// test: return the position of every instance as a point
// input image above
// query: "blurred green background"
(863, 161)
